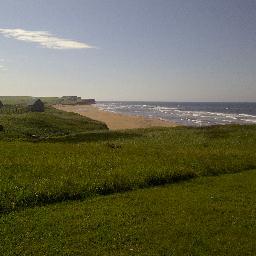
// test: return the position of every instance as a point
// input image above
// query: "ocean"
(187, 113)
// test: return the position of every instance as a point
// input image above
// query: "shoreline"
(115, 121)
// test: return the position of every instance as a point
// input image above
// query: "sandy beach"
(115, 121)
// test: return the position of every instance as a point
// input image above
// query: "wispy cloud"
(2, 67)
(44, 38)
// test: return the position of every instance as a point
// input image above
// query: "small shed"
(1, 104)
(36, 105)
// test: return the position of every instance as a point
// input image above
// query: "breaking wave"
(190, 114)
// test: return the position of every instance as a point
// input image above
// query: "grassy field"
(23, 100)
(12, 100)
(82, 165)
(56, 167)
(206, 216)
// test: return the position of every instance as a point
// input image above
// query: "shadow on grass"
(115, 184)
(90, 137)
(160, 180)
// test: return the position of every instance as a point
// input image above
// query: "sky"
(150, 50)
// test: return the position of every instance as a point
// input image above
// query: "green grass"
(19, 123)
(83, 165)
(13, 100)
(206, 216)
(23, 100)
(13, 109)
(55, 168)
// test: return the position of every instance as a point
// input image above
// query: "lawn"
(205, 216)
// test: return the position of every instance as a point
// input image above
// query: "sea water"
(187, 113)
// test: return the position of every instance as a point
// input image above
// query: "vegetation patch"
(205, 216)
(80, 165)
(19, 123)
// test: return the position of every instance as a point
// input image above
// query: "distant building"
(36, 106)
(71, 98)
(1, 104)
(86, 102)
(75, 100)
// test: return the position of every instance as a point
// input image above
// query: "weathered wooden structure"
(36, 106)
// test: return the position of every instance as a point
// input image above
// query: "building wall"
(37, 107)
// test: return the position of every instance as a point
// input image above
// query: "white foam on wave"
(249, 120)
(246, 115)
(178, 115)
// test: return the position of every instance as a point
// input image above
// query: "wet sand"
(115, 121)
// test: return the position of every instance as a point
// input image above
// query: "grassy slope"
(52, 122)
(206, 216)
(109, 162)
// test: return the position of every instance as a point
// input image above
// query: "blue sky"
(163, 50)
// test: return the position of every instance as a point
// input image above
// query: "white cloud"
(44, 38)
(3, 68)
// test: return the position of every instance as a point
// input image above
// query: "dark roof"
(34, 101)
